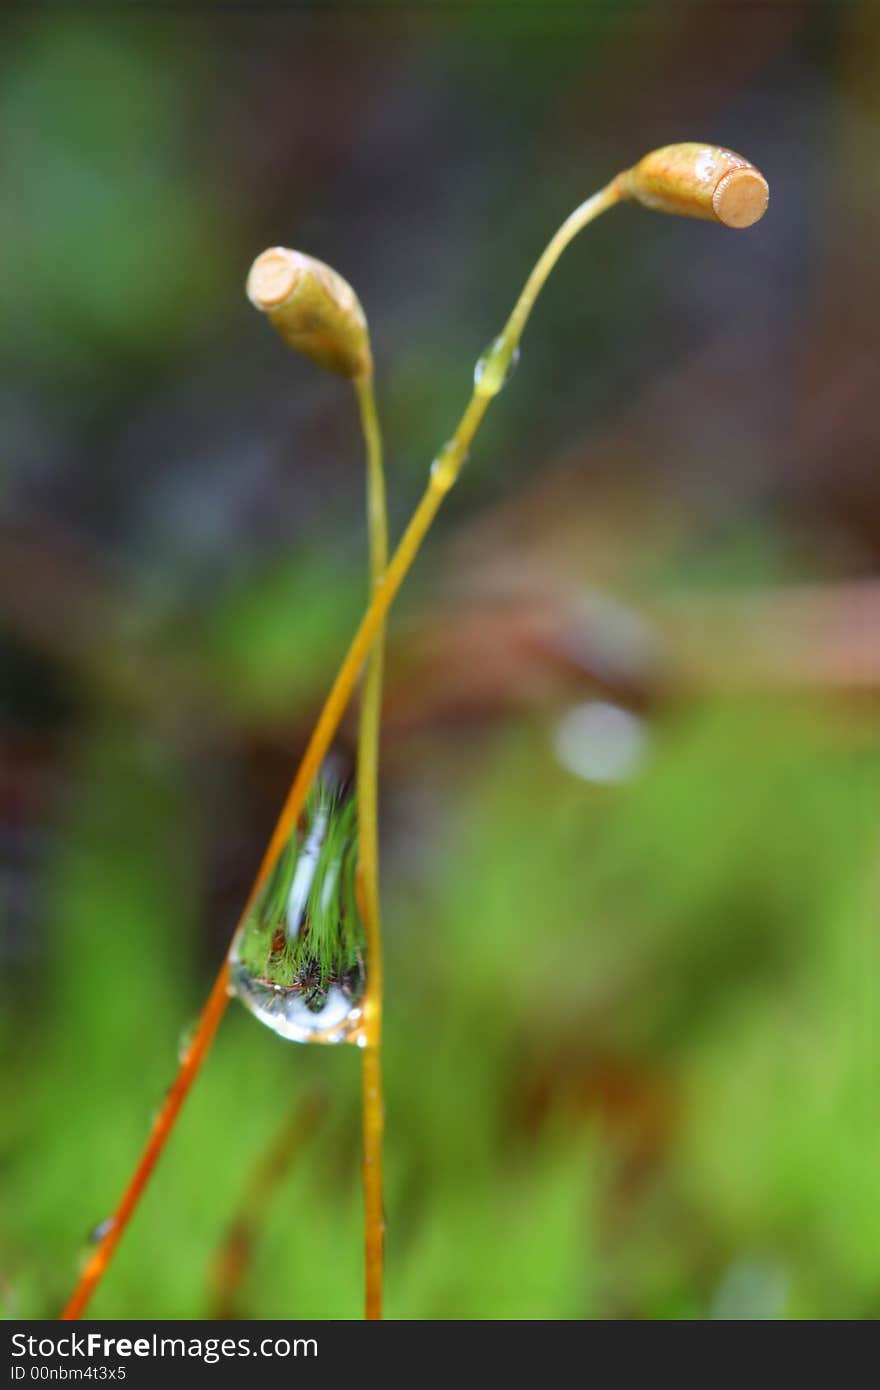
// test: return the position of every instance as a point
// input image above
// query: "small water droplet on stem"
(447, 465)
(102, 1229)
(185, 1042)
(495, 367)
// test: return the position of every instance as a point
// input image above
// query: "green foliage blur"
(631, 1048)
(631, 1058)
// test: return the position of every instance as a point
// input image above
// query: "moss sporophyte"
(306, 955)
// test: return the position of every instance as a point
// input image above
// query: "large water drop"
(298, 965)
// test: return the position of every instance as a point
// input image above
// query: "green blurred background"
(631, 760)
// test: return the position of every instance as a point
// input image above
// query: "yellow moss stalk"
(317, 312)
(368, 842)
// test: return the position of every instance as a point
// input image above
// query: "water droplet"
(299, 963)
(446, 465)
(186, 1037)
(103, 1228)
(495, 367)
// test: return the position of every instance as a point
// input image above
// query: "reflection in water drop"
(304, 874)
(288, 1012)
(495, 367)
(600, 742)
(298, 965)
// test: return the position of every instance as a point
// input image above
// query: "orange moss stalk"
(162, 1126)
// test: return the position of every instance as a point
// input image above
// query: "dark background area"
(630, 777)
